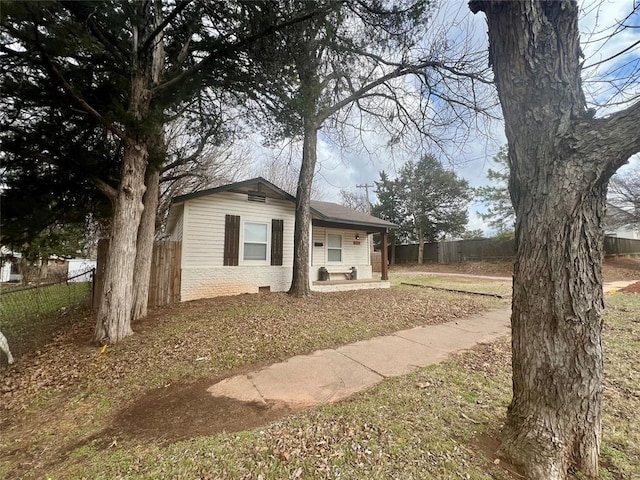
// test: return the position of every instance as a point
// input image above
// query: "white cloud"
(344, 168)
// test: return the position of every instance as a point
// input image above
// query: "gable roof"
(324, 211)
(260, 186)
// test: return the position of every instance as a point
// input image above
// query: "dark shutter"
(277, 228)
(231, 239)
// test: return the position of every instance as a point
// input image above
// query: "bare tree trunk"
(113, 319)
(113, 322)
(145, 241)
(300, 282)
(553, 422)
(147, 228)
(561, 160)
(420, 246)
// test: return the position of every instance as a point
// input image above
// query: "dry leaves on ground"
(211, 337)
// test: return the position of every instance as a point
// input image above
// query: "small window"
(334, 248)
(255, 241)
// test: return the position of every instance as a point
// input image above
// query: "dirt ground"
(185, 410)
(614, 268)
(633, 288)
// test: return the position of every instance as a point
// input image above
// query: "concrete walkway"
(331, 375)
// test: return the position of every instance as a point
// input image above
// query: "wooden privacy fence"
(621, 246)
(376, 262)
(164, 285)
(490, 249)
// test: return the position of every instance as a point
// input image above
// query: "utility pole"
(366, 187)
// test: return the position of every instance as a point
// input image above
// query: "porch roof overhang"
(316, 222)
(332, 215)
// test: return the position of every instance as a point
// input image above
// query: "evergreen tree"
(390, 207)
(500, 214)
(126, 66)
(435, 199)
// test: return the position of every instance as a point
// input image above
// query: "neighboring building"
(238, 238)
(79, 269)
(9, 268)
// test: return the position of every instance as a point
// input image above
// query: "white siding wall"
(355, 253)
(318, 254)
(203, 273)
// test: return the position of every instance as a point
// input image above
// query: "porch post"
(384, 268)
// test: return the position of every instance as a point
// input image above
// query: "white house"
(238, 238)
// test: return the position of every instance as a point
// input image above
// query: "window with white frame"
(334, 248)
(255, 241)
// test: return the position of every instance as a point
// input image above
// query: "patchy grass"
(422, 425)
(439, 422)
(66, 395)
(31, 316)
(613, 268)
(18, 307)
(620, 433)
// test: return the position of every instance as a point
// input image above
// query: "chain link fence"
(30, 315)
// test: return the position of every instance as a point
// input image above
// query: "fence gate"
(164, 285)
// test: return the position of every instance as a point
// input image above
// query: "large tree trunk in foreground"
(300, 283)
(157, 151)
(113, 319)
(144, 250)
(115, 309)
(553, 422)
(561, 160)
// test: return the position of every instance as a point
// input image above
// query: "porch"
(347, 285)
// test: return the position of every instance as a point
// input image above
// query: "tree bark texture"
(113, 319)
(115, 310)
(300, 282)
(561, 160)
(307, 67)
(147, 227)
(144, 244)
(420, 246)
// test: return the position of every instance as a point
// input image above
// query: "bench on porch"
(342, 271)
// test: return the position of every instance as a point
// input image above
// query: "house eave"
(345, 225)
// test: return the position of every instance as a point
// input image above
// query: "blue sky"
(342, 168)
